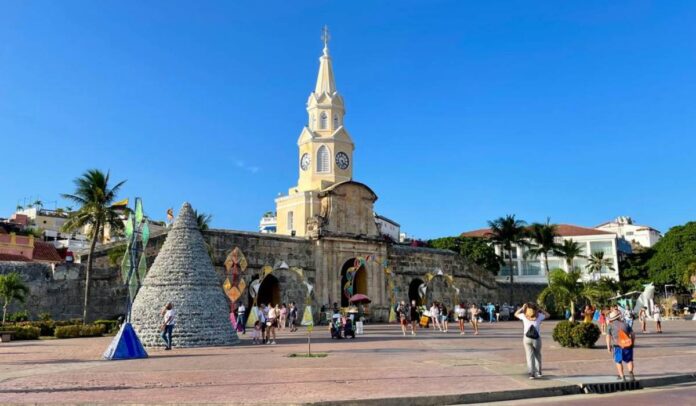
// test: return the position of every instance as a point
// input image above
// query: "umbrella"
(359, 298)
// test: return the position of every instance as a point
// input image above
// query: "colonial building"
(533, 270)
(634, 234)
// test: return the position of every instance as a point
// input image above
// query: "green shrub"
(80, 330)
(561, 333)
(45, 316)
(22, 332)
(575, 334)
(109, 325)
(585, 335)
(21, 315)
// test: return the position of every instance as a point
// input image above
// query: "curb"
(500, 396)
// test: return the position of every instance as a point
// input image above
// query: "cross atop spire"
(325, 37)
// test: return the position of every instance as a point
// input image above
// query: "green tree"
(203, 220)
(672, 256)
(95, 197)
(508, 232)
(543, 238)
(596, 262)
(569, 250)
(12, 288)
(566, 291)
(633, 270)
(476, 250)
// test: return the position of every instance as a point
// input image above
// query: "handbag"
(532, 333)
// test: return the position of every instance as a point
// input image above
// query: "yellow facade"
(325, 153)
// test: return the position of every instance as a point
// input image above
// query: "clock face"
(305, 161)
(342, 160)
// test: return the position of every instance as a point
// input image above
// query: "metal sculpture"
(126, 344)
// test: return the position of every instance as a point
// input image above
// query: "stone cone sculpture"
(184, 275)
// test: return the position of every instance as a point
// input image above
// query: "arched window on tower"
(323, 161)
(335, 121)
(323, 121)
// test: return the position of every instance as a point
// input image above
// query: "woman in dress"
(435, 316)
(283, 316)
(474, 313)
(643, 318)
(461, 317)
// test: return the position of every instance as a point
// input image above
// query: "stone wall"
(61, 293)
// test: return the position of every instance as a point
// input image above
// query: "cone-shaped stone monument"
(183, 275)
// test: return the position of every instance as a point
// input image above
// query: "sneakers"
(631, 377)
(531, 377)
(273, 342)
(539, 375)
(621, 378)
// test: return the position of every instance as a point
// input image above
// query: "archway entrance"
(413, 292)
(269, 291)
(358, 280)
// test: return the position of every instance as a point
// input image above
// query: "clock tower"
(325, 151)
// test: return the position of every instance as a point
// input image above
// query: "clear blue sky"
(461, 111)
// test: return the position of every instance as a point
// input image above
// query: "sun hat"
(614, 315)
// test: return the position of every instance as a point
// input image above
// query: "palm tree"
(508, 232)
(203, 220)
(38, 204)
(597, 261)
(12, 287)
(569, 250)
(565, 290)
(544, 240)
(94, 196)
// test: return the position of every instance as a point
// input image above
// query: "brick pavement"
(380, 364)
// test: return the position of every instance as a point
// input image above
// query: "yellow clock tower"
(325, 152)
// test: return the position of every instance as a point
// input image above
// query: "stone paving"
(381, 363)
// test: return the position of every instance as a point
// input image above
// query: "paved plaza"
(380, 364)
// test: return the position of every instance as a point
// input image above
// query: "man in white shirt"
(169, 321)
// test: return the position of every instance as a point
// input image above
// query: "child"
(257, 332)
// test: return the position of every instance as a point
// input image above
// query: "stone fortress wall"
(61, 292)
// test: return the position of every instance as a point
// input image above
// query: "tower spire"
(325, 79)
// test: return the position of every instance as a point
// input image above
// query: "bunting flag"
(252, 317)
(428, 277)
(227, 285)
(307, 319)
(298, 271)
(241, 286)
(266, 270)
(392, 315)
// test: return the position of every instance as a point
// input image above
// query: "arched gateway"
(353, 280)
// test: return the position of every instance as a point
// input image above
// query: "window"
(335, 121)
(323, 121)
(602, 246)
(290, 221)
(323, 161)
(531, 267)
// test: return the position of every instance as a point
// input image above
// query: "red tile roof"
(564, 230)
(13, 257)
(44, 251)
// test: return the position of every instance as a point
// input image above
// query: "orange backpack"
(624, 340)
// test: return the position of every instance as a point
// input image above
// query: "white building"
(624, 227)
(268, 223)
(388, 227)
(532, 270)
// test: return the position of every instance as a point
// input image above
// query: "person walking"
(241, 319)
(292, 317)
(415, 317)
(643, 318)
(402, 314)
(168, 322)
(491, 312)
(272, 324)
(460, 310)
(474, 313)
(261, 316)
(283, 317)
(444, 317)
(435, 316)
(657, 315)
(532, 317)
(620, 341)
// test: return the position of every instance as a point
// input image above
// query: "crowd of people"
(269, 320)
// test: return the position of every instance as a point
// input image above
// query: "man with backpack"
(621, 335)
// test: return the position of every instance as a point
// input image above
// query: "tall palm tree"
(203, 220)
(12, 287)
(543, 237)
(569, 250)
(596, 262)
(94, 196)
(565, 290)
(508, 232)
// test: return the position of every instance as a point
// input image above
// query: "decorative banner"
(253, 317)
(266, 270)
(298, 271)
(227, 286)
(307, 319)
(422, 290)
(392, 315)
(235, 264)
(428, 277)
(255, 285)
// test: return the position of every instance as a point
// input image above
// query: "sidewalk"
(381, 364)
